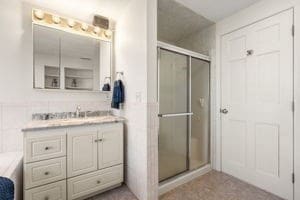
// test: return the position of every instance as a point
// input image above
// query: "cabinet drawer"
(44, 172)
(53, 191)
(93, 182)
(39, 148)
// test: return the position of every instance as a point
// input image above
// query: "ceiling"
(216, 10)
(83, 9)
(176, 21)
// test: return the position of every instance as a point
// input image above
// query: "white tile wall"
(152, 154)
(135, 147)
(15, 115)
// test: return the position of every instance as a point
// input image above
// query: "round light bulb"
(39, 14)
(108, 33)
(56, 19)
(71, 23)
(84, 26)
(96, 30)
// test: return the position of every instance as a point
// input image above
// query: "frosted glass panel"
(173, 146)
(173, 98)
(200, 103)
(173, 77)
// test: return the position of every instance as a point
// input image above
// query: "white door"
(110, 146)
(257, 93)
(82, 151)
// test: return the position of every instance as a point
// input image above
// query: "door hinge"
(293, 30)
(293, 177)
(293, 106)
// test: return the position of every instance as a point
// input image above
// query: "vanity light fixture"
(84, 26)
(39, 14)
(70, 25)
(108, 33)
(97, 30)
(56, 19)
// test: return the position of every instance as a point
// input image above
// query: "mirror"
(69, 61)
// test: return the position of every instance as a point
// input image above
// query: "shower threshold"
(183, 178)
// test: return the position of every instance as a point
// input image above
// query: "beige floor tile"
(211, 186)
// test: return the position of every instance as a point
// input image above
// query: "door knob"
(224, 111)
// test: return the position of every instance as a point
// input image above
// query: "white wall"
(248, 16)
(17, 98)
(131, 57)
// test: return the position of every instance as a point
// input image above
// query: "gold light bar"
(43, 18)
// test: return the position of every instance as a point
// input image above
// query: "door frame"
(239, 21)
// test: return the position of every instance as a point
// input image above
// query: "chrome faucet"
(78, 108)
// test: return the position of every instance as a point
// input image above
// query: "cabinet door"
(82, 151)
(110, 147)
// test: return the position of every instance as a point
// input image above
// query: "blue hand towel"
(118, 94)
(6, 189)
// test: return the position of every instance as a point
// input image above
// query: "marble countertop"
(61, 123)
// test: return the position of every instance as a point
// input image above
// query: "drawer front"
(53, 191)
(44, 172)
(93, 182)
(45, 147)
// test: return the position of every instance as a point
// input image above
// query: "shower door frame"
(190, 55)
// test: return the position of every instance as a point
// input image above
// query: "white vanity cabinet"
(72, 163)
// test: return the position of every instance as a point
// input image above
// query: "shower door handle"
(175, 115)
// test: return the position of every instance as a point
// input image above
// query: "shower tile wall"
(14, 115)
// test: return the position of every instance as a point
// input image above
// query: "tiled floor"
(121, 193)
(217, 186)
(212, 186)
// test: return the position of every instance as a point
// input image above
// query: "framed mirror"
(69, 61)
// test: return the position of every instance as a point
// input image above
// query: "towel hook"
(119, 75)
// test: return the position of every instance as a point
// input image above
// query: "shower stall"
(184, 112)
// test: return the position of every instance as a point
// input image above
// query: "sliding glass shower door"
(184, 109)
(174, 108)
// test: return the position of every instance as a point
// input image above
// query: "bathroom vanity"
(72, 158)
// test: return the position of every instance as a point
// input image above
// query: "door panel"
(110, 149)
(200, 107)
(82, 151)
(257, 89)
(173, 99)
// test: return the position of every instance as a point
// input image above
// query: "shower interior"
(183, 90)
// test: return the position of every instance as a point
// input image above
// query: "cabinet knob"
(250, 52)
(47, 148)
(99, 140)
(98, 182)
(47, 173)
(46, 198)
